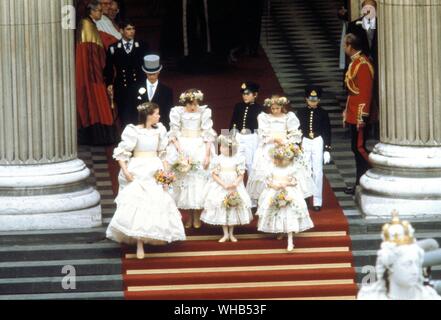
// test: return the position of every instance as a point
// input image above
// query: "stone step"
(43, 285)
(110, 295)
(91, 235)
(18, 253)
(362, 274)
(54, 268)
(364, 226)
(373, 241)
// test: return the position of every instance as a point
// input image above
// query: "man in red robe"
(95, 116)
(109, 32)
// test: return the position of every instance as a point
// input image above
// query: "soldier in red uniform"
(359, 81)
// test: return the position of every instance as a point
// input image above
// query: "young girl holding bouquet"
(146, 212)
(282, 207)
(279, 127)
(190, 153)
(226, 201)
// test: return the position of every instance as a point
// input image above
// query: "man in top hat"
(123, 72)
(244, 121)
(150, 89)
(316, 128)
(359, 81)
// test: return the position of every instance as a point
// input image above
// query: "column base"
(48, 197)
(406, 179)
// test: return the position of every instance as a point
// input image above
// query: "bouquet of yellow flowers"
(232, 200)
(280, 200)
(285, 152)
(165, 178)
(184, 165)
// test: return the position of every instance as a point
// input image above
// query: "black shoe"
(350, 190)
(317, 208)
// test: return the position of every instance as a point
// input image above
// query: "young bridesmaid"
(190, 153)
(279, 127)
(146, 212)
(226, 201)
(282, 208)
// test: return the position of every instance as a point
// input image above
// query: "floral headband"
(281, 101)
(191, 96)
(143, 107)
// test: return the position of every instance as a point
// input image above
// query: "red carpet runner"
(258, 266)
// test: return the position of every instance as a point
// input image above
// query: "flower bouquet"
(184, 165)
(285, 153)
(165, 178)
(232, 200)
(280, 200)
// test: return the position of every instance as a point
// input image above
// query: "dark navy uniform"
(245, 117)
(315, 123)
(316, 143)
(245, 125)
(123, 71)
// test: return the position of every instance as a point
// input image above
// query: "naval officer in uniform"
(123, 71)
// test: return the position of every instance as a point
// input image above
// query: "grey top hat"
(152, 64)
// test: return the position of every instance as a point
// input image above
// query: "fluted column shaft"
(410, 62)
(42, 183)
(406, 172)
(37, 112)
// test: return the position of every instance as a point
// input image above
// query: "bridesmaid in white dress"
(227, 172)
(292, 217)
(279, 127)
(146, 212)
(192, 136)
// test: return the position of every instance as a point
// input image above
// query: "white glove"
(326, 157)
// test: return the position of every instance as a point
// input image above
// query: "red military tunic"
(359, 80)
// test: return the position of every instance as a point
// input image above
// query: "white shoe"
(290, 247)
(224, 239)
(233, 238)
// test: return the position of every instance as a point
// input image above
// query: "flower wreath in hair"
(143, 107)
(191, 96)
(280, 101)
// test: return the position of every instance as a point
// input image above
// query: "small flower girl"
(227, 202)
(282, 208)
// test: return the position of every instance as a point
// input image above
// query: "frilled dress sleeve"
(129, 138)
(208, 133)
(294, 134)
(175, 122)
(163, 141)
(240, 165)
(264, 130)
(215, 166)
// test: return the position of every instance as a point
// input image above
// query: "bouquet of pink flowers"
(184, 165)
(165, 178)
(232, 200)
(285, 152)
(280, 200)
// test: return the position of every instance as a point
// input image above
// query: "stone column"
(42, 183)
(407, 162)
